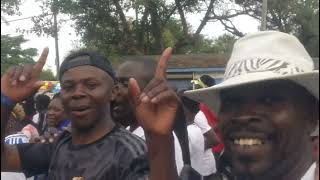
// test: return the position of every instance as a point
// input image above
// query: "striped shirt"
(119, 155)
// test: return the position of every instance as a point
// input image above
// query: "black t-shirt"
(119, 155)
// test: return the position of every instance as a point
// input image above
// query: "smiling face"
(86, 93)
(122, 111)
(266, 127)
(55, 113)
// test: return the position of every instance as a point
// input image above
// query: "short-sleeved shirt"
(177, 147)
(119, 155)
(202, 160)
(201, 121)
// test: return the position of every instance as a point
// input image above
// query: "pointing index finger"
(37, 68)
(161, 71)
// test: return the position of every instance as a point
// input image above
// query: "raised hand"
(157, 104)
(19, 82)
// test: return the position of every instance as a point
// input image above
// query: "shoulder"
(128, 142)
(195, 134)
(200, 116)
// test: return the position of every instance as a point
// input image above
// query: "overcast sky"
(68, 38)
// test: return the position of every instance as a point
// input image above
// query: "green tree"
(224, 44)
(10, 7)
(298, 17)
(12, 53)
(47, 75)
(156, 24)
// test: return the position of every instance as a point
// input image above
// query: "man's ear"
(314, 116)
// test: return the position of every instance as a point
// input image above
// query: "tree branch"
(126, 29)
(232, 29)
(182, 17)
(205, 18)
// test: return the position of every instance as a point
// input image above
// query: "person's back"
(41, 104)
(202, 159)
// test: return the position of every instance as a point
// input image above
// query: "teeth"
(247, 141)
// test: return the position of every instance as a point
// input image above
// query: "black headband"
(86, 58)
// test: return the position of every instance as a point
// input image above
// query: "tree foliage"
(151, 26)
(298, 17)
(12, 53)
(47, 75)
(10, 7)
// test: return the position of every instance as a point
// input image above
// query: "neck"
(295, 172)
(133, 126)
(300, 166)
(100, 129)
(299, 169)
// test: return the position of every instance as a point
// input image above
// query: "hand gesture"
(156, 106)
(19, 82)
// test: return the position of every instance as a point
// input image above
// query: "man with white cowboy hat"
(267, 105)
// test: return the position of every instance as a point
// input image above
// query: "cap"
(86, 58)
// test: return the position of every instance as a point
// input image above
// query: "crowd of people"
(260, 123)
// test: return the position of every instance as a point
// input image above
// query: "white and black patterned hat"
(263, 56)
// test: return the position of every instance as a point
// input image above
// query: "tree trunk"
(156, 28)
(182, 17)
(128, 39)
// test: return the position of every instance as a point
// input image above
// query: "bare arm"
(155, 110)
(162, 159)
(211, 139)
(10, 160)
(17, 84)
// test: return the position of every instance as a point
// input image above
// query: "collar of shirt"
(310, 174)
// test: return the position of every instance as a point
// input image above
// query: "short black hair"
(42, 102)
(191, 105)
(29, 106)
(149, 65)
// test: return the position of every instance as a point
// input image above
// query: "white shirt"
(310, 174)
(14, 176)
(139, 132)
(202, 160)
(35, 118)
(201, 121)
(177, 148)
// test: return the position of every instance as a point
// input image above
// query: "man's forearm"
(161, 157)
(211, 139)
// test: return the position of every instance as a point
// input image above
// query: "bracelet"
(6, 101)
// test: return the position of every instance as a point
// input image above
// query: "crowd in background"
(197, 137)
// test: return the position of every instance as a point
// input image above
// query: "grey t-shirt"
(117, 156)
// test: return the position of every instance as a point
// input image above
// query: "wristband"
(6, 101)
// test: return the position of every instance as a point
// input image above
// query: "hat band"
(261, 65)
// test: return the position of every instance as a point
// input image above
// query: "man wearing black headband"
(96, 149)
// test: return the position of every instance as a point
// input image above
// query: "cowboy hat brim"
(210, 96)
